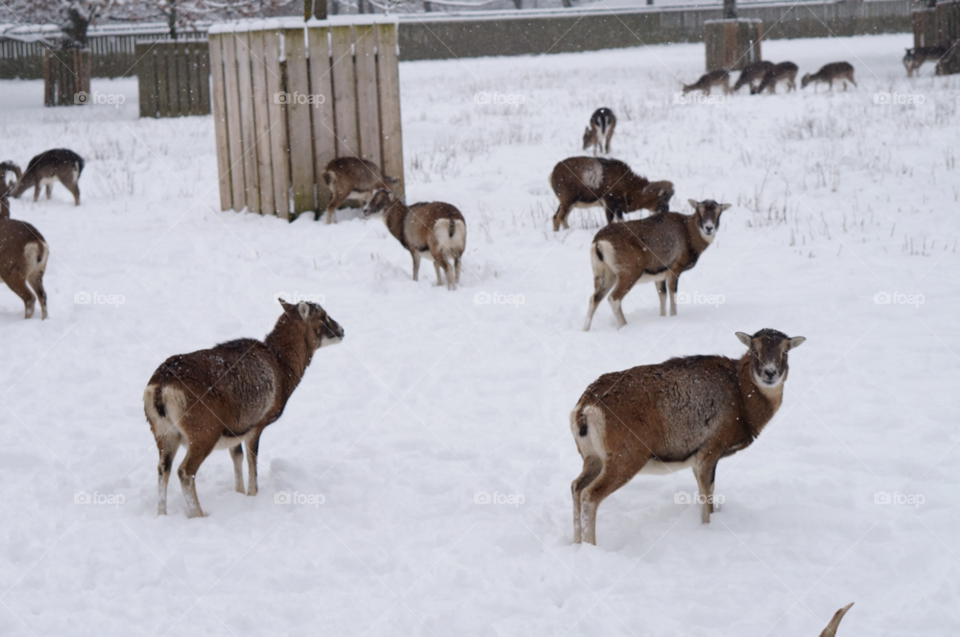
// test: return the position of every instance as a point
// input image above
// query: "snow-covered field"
(434, 399)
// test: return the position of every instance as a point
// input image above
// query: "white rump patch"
(592, 174)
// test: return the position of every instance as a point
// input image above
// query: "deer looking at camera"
(222, 397)
(683, 413)
(7, 186)
(708, 81)
(915, 58)
(835, 71)
(436, 230)
(598, 134)
(349, 175)
(58, 164)
(23, 260)
(656, 249)
(752, 75)
(784, 72)
(583, 182)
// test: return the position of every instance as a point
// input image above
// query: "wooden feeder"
(288, 98)
(732, 44)
(66, 77)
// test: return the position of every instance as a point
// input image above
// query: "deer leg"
(592, 466)
(167, 446)
(560, 218)
(236, 454)
(623, 286)
(602, 284)
(672, 281)
(36, 191)
(253, 449)
(596, 492)
(416, 263)
(74, 190)
(197, 452)
(35, 279)
(456, 270)
(662, 293)
(705, 474)
(48, 188)
(19, 287)
(852, 81)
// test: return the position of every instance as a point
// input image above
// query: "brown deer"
(828, 73)
(915, 58)
(434, 229)
(7, 186)
(658, 248)
(23, 260)
(56, 164)
(598, 134)
(784, 72)
(225, 396)
(752, 75)
(583, 182)
(349, 175)
(685, 412)
(709, 80)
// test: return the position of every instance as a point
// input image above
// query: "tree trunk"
(172, 22)
(729, 9)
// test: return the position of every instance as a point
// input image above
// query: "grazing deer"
(830, 72)
(583, 182)
(434, 229)
(658, 248)
(598, 134)
(708, 81)
(223, 397)
(752, 75)
(23, 260)
(685, 412)
(783, 72)
(831, 629)
(7, 186)
(349, 175)
(915, 58)
(56, 164)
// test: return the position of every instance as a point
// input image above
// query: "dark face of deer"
(321, 329)
(768, 354)
(379, 202)
(708, 217)
(805, 80)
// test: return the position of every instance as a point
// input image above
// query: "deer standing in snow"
(835, 71)
(345, 176)
(23, 260)
(598, 134)
(58, 164)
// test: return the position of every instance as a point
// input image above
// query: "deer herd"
(684, 413)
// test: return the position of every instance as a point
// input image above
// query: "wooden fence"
(173, 78)
(940, 26)
(66, 77)
(288, 100)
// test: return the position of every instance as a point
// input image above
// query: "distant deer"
(656, 249)
(709, 80)
(915, 58)
(23, 260)
(583, 182)
(56, 164)
(223, 397)
(842, 71)
(349, 175)
(598, 134)
(784, 72)
(683, 413)
(434, 229)
(752, 75)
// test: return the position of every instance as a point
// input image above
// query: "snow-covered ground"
(434, 398)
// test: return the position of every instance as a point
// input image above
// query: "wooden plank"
(298, 121)
(368, 111)
(234, 131)
(388, 80)
(279, 159)
(173, 90)
(324, 135)
(344, 92)
(218, 99)
(190, 55)
(247, 123)
(261, 119)
(203, 74)
(147, 80)
(163, 101)
(180, 53)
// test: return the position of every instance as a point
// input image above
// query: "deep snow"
(434, 398)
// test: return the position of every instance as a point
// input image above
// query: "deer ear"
(286, 306)
(304, 309)
(696, 206)
(724, 206)
(797, 341)
(746, 339)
